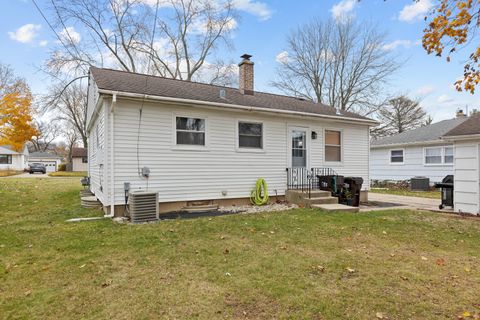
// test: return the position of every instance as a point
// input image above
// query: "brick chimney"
(246, 75)
(460, 113)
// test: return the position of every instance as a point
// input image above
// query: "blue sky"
(26, 41)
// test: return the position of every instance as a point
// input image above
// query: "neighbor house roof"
(121, 81)
(79, 152)
(6, 149)
(38, 154)
(428, 133)
(471, 126)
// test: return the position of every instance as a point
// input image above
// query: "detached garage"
(51, 161)
(466, 140)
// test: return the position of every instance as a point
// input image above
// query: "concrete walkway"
(407, 202)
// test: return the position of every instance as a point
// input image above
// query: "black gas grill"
(446, 187)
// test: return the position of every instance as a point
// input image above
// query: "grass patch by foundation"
(300, 264)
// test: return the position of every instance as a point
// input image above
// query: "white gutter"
(236, 106)
(112, 157)
(462, 137)
(417, 143)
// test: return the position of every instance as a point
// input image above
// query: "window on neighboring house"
(5, 159)
(448, 155)
(190, 131)
(250, 135)
(333, 146)
(396, 156)
(433, 155)
(84, 160)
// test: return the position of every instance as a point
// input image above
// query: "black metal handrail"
(299, 178)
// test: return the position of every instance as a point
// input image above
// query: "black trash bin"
(354, 185)
(447, 191)
(332, 183)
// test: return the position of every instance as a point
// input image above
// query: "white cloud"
(70, 35)
(397, 43)
(343, 9)
(444, 98)
(26, 33)
(282, 57)
(43, 43)
(257, 8)
(425, 90)
(415, 11)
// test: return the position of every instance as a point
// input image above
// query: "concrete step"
(320, 200)
(335, 207)
(313, 193)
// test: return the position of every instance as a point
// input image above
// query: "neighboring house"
(206, 142)
(79, 159)
(51, 161)
(13, 160)
(466, 140)
(419, 152)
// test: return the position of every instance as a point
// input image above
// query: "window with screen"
(250, 135)
(448, 155)
(190, 131)
(333, 146)
(396, 156)
(433, 155)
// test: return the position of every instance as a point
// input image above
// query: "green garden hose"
(259, 195)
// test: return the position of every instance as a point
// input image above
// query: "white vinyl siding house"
(13, 160)
(200, 151)
(466, 159)
(417, 153)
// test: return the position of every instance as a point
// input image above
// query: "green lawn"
(400, 192)
(301, 264)
(68, 174)
(7, 173)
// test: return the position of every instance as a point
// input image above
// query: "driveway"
(407, 202)
(28, 175)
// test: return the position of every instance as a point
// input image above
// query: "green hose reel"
(259, 195)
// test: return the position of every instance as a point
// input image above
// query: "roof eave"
(407, 144)
(462, 137)
(368, 122)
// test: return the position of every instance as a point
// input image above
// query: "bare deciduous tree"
(118, 33)
(340, 64)
(400, 115)
(69, 104)
(47, 133)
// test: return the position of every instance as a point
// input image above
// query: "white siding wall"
(78, 165)
(98, 154)
(413, 165)
(181, 175)
(467, 177)
(18, 163)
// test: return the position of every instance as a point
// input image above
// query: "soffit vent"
(143, 206)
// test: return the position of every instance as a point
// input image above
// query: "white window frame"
(444, 155)
(442, 163)
(237, 136)
(390, 157)
(342, 144)
(190, 147)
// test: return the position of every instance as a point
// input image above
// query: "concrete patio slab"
(405, 202)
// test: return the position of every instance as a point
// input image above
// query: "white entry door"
(298, 147)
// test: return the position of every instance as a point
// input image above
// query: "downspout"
(112, 157)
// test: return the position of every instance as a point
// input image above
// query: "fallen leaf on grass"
(440, 262)
(381, 315)
(106, 283)
(403, 278)
(283, 247)
(350, 270)
(424, 258)
(384, 232)
(226, 251)
(467, 269)
(28, 293)
(228, 274)
(82, 266)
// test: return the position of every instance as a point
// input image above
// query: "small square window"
(433, 155)
(396, 156)
(190, 131)
(250, 135)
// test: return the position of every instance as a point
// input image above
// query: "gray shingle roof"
(38, 154)
(122, 81)
(468, 127)
(431, 132)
